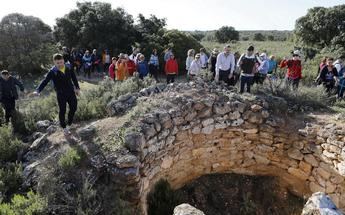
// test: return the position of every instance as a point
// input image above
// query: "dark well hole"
(225, 194)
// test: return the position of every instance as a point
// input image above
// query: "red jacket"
(294, 68)
(171, 67)
(112, 71)
(131, 67)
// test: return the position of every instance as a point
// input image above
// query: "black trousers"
(224, 76)
(9, 105)
(170, 78)
(153, 71)
(72, 102)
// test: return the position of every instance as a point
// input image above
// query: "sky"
(187, 14)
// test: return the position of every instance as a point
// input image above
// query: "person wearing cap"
(195, 67)
(171, 69)
(294, 69)
(121, 68)
(66, 86)
(154, 64)
(203, 58)
(212, 61)
(96, 60)
(112, 68)
(248, 63)
(190, 58)
(9, 93)
(272, 68)
(260, 77)
(142, 67)
(225, 66)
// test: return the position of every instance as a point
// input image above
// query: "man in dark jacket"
(9, 93)
(66, 87)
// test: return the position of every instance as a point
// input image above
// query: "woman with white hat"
(195, 67)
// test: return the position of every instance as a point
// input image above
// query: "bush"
(9, 145)
(162, 199)
(29, 204)
(71, 158)
(226, 34)
(10, 179)
(259, 37)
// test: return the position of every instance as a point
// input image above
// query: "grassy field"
(278, 48)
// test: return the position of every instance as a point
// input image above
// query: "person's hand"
(77, 92)
(216, 78)
(231, 75)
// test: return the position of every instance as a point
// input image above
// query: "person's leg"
(72, 104)
(173, 78)
(249, 83)
(62, 109)
(242, 84)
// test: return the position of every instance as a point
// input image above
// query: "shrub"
(9, 145)
(10, 179)
(71, 158)
(29, 204)
(162, 199)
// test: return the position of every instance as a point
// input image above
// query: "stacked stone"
(202, 129)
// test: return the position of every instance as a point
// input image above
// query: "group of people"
(126, 65)
(225, 66)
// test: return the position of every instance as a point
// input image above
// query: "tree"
(226, 34)
(25, 43)
(270, 37)
(96, 25)
(321, 27)
(259, 37)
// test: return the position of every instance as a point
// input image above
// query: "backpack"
(248, 64)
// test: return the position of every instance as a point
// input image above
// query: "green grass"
(278, 48)
(71, 158)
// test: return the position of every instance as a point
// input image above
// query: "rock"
(87, 132)
(298, 173)
(341, 168)
(51, 129)
(309, 158)
(186, 209)
(134, 142)
(314, 187)
(43, 125)
(39, 142)
(320, 203)
(256, 108)
(126, 161)
(221, 108)
(305, 167)
(295, 154)
(167, 162)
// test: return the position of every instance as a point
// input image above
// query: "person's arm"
(75, 80)
(239, 63)
(217, 65)
(176, 68)
(166, 67)
(232, 65)
(19, 84)
(44, 83)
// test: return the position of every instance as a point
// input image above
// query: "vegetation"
(9, 145)
(322, 28)
(162, 199)
(226, 34)
(25, 44)
(71, 158)
(259, 37)
(29, 204)
(10, 180)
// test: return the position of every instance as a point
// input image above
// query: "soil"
(232, 194)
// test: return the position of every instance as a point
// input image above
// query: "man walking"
(66, 87)
(9, 93)
(225, 66)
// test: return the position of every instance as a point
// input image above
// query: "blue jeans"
(246, 80)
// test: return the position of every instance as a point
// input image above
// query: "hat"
(264, 55)
(296, 52)
(215, 51)
(5, 72)
(122, 55)
(197, 55)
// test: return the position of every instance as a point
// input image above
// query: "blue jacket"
(341, 77)
(142, 68)
(64, 83)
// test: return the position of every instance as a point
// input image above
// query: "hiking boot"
(66, 132)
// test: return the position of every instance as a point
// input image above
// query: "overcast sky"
(188, 14)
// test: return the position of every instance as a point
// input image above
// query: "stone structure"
(186, 209)
(203, 130)
(200, 128)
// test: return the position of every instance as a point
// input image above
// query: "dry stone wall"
(200, 129)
